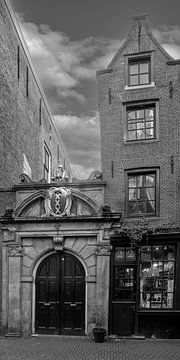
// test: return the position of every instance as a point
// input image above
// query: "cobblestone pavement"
(69, 348)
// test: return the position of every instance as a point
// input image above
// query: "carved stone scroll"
(103, 250)
(58, 243)
(15, 250)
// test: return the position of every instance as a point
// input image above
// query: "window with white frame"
(139, 71)
(141, 122)
(142, 193)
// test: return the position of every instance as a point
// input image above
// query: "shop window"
(142, 193)
(157, 272)
(47, 164)
(140, 120)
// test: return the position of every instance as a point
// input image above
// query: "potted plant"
(98, 332)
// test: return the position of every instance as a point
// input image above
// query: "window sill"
(140, 86)
(147, 141)
(165, 311)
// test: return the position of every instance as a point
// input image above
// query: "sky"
(69, 40)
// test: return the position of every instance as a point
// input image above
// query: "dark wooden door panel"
(60, 295)
(123, 300)
(123, 319)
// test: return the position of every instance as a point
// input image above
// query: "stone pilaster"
(14, 289)
(103, 274)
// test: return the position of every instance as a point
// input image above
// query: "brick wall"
(118, 155)
(22, 132)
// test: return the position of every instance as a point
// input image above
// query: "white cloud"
(81, 172)
(62, 63)
(82, 139)
(169, 37)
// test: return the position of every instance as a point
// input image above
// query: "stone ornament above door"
(58, 202)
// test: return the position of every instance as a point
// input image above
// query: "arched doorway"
(60, 296)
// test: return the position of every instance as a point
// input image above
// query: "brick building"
(139, 105)
(29, 141)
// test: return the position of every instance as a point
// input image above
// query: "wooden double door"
(60, 296)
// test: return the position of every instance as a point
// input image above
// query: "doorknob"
(72, 305)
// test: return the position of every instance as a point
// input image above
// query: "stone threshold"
(132, 337)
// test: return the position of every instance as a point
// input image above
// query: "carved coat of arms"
(58, 202)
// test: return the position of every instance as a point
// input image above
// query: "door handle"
(72, 305)
(47, 304)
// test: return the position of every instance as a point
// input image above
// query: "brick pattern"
(20, 130)
(158, 153)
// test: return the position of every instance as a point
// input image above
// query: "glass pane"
(132, 181)
(134, 80)
(156, 299)
(142, 193)
(140, 125)
(140, 114)
(145, 267)
(132, 207)
(167, 301)
(169, 252)
(139, 180)
(141, 207)
(131, 135)
(157, 268)
(130, 254)
(150, 180)
(133, 69)
(145, 300)
(146, 253)
(132, 194)
(141, 134)
(131, 115)
(150, 114)
(149, 133)
(169, 269)
(144, 68)
(157, 252)
(149, 124)
(144, 79)
(150, 194)
(150, 207)
(131, 126)
(120, 254)
(124, 283)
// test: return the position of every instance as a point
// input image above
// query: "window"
(142, 193)
(139, 71)
(157, 269)
(47, 164)
(140, 122)
(124, 283)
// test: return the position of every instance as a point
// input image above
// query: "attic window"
(139, 71)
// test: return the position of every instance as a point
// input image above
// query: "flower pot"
(99, 334)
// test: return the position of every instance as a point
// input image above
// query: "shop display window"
(157, 272)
